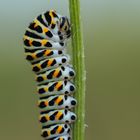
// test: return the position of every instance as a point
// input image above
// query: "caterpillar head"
(65, 27)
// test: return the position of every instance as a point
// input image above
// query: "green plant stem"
(79, 66)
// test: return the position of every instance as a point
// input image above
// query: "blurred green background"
(112, 47)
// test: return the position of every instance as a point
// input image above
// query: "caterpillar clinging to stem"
(45, 43)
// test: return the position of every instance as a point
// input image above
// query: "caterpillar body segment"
(55, 130)
(33, 43)
(45, 33)
(37, 55)
(50, 63)
(59, 73)
(56, 117)
(53, 88)
(45, 43)
(56, 102)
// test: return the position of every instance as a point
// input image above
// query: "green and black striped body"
(45, 43)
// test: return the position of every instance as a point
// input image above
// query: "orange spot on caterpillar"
(58, 115)
(47, 117)
(46, 103)
(55, 73)
(43, 42)
(58, 100)
(50, 62)
(30, 42)
(58, 85)
(47, 52)
(45, 30)
(59, 129)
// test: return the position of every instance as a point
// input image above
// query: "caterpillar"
(45, 42)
